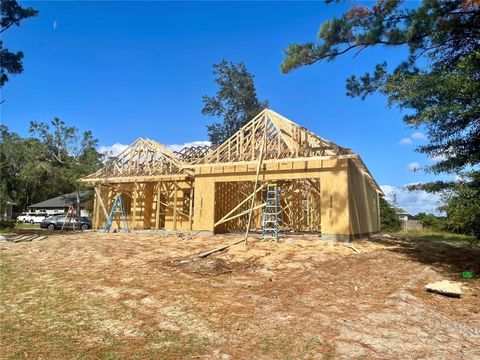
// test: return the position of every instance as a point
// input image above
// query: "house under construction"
(325, 188)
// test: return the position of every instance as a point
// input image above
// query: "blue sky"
(131, 69)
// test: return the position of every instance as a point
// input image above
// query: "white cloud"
(55, 24)
(413, 167)
(417, 135)
(412, 202)
(178, 147)
(112, 150)
(405, 141)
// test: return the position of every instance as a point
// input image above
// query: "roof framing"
(143, 159)
(285, 139)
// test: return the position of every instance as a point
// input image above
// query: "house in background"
(60, 204)
(402, 214)
(409, 222)
(7, 215)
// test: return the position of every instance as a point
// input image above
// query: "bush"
(389, 219)
(7, 224)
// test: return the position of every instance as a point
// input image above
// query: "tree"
(438, 82)
(236, 101)
(66, 151)
(12, 14)
(389, 220)
(430, 221)
(462, 205)
(45, 165)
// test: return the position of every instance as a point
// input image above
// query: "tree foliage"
(438, 82)
(45, 165)
(236, 101)
(11, 14)
(461, 203)
(389, 220)
(431, 221)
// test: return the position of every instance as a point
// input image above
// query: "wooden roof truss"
(193, 154)
(285, 139)
(144, 157)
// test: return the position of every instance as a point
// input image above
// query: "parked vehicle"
(57, 222)
(56, 214)
(37, 218)
(23, 217)
(32, 217)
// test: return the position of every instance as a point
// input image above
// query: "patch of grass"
(42, 319)
(27, 226)
(430, 235)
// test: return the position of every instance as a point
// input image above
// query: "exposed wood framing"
(99, 196)
(257, 174)
(143, 158)
(193, 154)
(285, 139)
(157, 210)
(268, 148)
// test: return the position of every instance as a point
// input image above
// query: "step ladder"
(117, 208)
(70, 217)
(272, 209)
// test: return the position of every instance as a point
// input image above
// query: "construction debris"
(445, 287)
(350, 247)
(22, 238)
(221, 248)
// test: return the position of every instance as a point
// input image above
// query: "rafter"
(144, 157)
(285, 139)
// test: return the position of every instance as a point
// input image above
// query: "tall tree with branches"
(438, 83)
(11, 14)
(236, 101)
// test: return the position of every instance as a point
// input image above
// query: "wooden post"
(157, 213)
(190, 209)
(96, 210)
(259, 165)
(100, 200)
(134, 207)
(175, 206)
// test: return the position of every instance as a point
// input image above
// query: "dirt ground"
(142, 295)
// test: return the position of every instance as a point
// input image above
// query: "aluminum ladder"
(121, 210)
(270, 213)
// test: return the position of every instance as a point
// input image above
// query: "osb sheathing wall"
(330, 178)
(363, 203)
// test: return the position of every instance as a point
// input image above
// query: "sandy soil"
(88, 295)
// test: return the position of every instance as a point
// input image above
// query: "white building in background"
(60, 204)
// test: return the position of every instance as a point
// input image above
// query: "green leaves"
(46, 165)
(12, 14)
(440, 94)
(236, 101)
(388, 218)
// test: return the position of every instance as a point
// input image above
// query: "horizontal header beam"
(131, 179)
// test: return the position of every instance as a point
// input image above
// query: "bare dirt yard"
(146, 296)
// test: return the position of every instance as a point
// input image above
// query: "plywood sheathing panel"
(363, 202)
